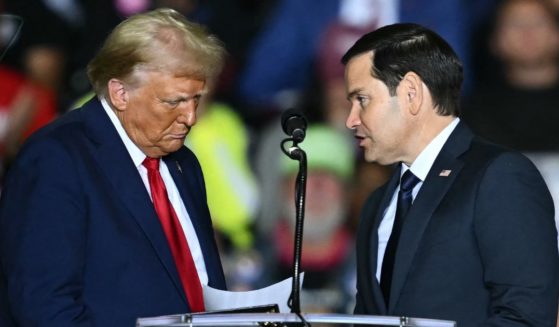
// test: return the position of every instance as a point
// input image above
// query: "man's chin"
(377, 160)
(170, 147)
(371, 157)
(174, 146)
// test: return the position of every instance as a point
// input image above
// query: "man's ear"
(413, 91)
(118, 94)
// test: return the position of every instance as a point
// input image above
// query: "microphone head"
(10, 27)
(294, 124)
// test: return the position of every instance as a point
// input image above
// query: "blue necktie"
(405, 197)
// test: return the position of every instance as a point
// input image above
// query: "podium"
(286, 319)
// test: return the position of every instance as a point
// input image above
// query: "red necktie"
(175, 237)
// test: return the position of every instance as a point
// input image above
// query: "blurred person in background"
(327, 259)
(294, 30)
(103, 217)
(25, 106)
(334, 43)
(518, 106)
(25, 103)
(32, 74)
(324, 102)
(48, 36)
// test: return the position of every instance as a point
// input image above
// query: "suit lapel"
(187, 180)
(371, 254)
(184, 180)
(115, 162)
(433, 190)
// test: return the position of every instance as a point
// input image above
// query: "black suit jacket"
(479, 246)
(80, 242)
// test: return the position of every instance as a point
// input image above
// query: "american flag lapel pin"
(445, 172)
(178, 167)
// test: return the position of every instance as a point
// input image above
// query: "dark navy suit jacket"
(478, 246)
(80, 242)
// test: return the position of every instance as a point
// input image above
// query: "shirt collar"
(423, 163)
(135, 153)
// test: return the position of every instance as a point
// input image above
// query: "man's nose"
(188, 114)
(352, 120)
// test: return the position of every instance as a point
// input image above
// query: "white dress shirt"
(420, 168)
(176, 201)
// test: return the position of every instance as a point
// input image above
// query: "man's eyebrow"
(186, 97)
(353, 93)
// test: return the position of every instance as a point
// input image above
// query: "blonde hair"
(159, 40)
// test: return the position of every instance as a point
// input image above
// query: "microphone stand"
(296, 153)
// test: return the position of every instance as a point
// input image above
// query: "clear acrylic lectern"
(286, 319)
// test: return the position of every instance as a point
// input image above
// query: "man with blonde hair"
(103, 217)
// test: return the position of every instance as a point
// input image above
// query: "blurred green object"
(82, 100)
(220, 141)
(327, 149)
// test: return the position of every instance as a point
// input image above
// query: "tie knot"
(151, 163)
(408, 182)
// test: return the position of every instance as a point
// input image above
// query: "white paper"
(278, 293)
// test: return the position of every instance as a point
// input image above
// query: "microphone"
(294, 124)
(10, 26)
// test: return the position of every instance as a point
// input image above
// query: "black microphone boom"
(294, 124)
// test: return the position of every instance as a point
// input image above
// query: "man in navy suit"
(81, 242)
(468, 235)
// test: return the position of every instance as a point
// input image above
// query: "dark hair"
(401, 48)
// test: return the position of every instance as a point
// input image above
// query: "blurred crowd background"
(286, 54)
